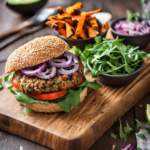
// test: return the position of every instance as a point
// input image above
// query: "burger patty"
(33, 84)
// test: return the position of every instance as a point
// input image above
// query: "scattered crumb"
(6, 140)
(141, 105)
(102, 104)
(68, 122)
(100, 94)
(21, 148)
(102, 112)
(113, 147)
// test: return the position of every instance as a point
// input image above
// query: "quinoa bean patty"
(33, 84)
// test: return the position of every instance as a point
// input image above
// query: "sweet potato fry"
(94, 23)
(68, 30)
(93, 12)
(83, 35)
(49, 23)
(89, 17)
(59, 17)
(74, 37)
(69, 20)
(80, 23)
(61, 10)
(104, 28)
(76, 18)
(91, 32)
(60, 23)
(62, 32)
(71, 9)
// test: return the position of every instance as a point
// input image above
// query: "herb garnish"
(148, 130)
(132, 17)
(1, 86)
(127, 129)
(141, 135)
(115, 136)
(136, 128)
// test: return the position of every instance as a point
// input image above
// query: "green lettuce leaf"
(64, 102)
(27, 110)
(7, 80)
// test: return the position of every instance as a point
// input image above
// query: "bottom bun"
(51, 108)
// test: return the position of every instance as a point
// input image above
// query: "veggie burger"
(46, 77)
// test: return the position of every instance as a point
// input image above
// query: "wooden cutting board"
(84, 125)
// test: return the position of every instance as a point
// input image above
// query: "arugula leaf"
(148, 130)
(64, 102)
(1, 86)
(141, 135)
(127, 129)
(7, 80)
(136, 128)
(121, 133)
(27, 110)
(115, 136)
(139, 148)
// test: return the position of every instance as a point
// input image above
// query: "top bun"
(35, 52)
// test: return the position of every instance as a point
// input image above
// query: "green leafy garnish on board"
(7, 80)
(139, 148)
(127, 129)
(1, 86)
(121, 133)
(141, 135)
(110, 57)
(115, 136)
(148, 130)
(132, 17)
(64, 102)
(136, 128)
(27, 110)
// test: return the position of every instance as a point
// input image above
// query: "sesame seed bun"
(35, 52)
(51, 108)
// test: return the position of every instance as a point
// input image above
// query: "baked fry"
(80, 23)
(93, 12)
(69, 31)
(71, 9)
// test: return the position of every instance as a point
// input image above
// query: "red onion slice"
(126, 147)
(72, 71)
(43, 75)
(132, 147)
(132, 27)
(30, 72)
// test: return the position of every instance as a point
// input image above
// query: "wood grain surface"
(9, 20)
(84, 125)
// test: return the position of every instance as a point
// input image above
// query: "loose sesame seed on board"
(35, 52)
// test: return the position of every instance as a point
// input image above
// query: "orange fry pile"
(72, 23)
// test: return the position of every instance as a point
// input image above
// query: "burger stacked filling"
(52, 76)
